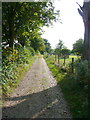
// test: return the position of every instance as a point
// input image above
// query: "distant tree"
(78, 47)
(38, 44)
(65, 52)
(59, 47)
(52, 51)
(47, 46)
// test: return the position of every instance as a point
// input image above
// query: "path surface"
(37, 96)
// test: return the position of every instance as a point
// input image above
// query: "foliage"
(59, 47)
(65, 52)
(74, 93)
(21, 36)
(38, 44)
(47, 46)
(61, 50)
(9, 54)
(19, 23)
(78, 47)
(82, 72)
(37, 52)
(17, 55)
(14, 64)
(23, 55)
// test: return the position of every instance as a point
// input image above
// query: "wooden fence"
(57, 58)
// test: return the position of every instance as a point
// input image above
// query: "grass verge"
(75, 95)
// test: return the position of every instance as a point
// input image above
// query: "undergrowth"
(75, 93)
(15, 64)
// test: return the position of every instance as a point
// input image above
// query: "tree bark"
(55, 57)
(11, 33)
(89, 34)
(11, 16)
(85, 13)
(58, 59)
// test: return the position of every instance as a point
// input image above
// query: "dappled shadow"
(45, 104)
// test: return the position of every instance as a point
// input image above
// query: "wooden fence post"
(64, 60)
(55, 58)
(72, 65)
(58, 59)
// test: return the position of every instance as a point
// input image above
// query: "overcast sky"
(72, 28)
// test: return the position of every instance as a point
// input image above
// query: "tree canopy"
(22, 21)
(78, 47)
(62, 50)
(47, 46)
(59, 47)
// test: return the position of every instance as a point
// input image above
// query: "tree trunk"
(11, 34)
(58, 59)
(55, 57)
(89, 46)
(89, 34)
(72, 65)
(85, 13)
(64, 60)
(11, 16)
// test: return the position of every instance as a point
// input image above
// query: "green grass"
(75, 95)
(68, 60)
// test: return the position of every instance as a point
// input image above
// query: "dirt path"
(37, 96)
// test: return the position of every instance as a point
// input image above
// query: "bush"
(82, 72)
(23, 55)
(32, 51)
(14, 63)
(45, 55)
(9, 55)
(37, 52)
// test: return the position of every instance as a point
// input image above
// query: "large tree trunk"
(11, 33)
(11, 16)
(85, 13)
(89, 34)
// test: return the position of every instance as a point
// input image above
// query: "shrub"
(14, 63)
(23, 55)
(82, 72)
(76, 96)
(32, 51)
(37, 52)
(9, 55)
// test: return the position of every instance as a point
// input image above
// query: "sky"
(72, 27)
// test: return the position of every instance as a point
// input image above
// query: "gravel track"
(37, 96)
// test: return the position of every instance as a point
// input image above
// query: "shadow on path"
(44, 104)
